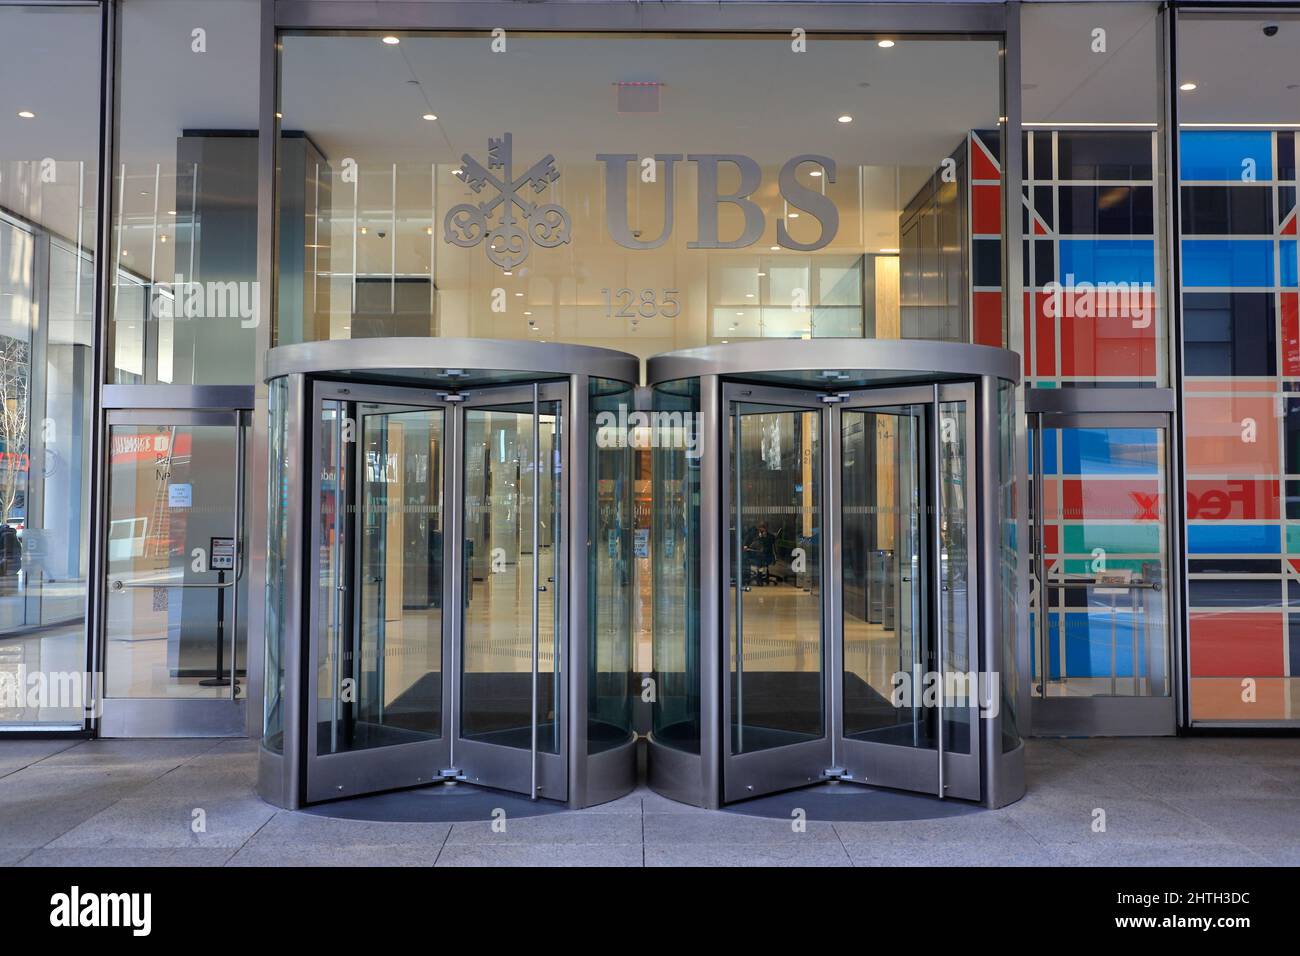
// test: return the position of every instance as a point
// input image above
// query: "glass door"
(174, 639)
(1099, 598)
(776, 686)
(909, 687)
(510, 731)
(377, 696)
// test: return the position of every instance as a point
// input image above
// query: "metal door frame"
(791, 765)
(177, 716)
(494, 765)
(356, 772)
(937, 770)
(1102, 715)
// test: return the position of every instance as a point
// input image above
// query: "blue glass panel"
(1227, 263)
(1218, 154)
(1110, 451)
(1088, 641)
(1221, 538)
(1108, 260)
(1287, 248)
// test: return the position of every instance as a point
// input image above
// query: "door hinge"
(836, 773)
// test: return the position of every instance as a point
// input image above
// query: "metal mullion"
(537, 467)
(936, 563)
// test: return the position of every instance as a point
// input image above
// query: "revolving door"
(439, 615)
(857, 499)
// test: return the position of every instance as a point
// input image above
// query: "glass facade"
(633, 221)
(49, 215)
(648, 192)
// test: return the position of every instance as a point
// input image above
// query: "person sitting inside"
(760, 554)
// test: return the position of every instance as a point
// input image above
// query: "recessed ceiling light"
(889, 252)
(528, 313)
(391, 40)
(171, 212)
(761, 274)
(163, 238)
(519, 295)
(792, 215)
(846, 118)
(26, 114)
(428, 230)
(1187, 87)
(507, 273)
(124, 252)
(741, 314)
(775, 248)
(749, 295)
(815, 173)
(363, 230)
(430, 117)
(885, 44)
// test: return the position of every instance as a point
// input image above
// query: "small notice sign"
(180, 496)
(221, 554)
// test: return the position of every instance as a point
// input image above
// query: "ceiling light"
(428, 230)
(846, 118)
(889, 252)
(1187, 87)
(430, 117)
(528, 313)
(741, 314)
(792, 215)
(749, 295)
(391, 40)
(363, 230)
(171, 212)
(885, 44)
(519, 295)
(163, 238)
(775, 248)
(124, 252)
(26, 114)
(761, 274)
(815, 173)
(507, 273)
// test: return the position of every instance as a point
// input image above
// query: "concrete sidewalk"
(1181, 802)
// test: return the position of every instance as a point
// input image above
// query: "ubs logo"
(548, 224)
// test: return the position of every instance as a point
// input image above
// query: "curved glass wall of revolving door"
(675, 545)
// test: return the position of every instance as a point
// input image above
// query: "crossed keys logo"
(466, 224)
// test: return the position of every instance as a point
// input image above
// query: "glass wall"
(49, 176)
(184, 305)
(1095, 314)
(1238, 113)
(611, 571)
(675, 544)
(853, 190)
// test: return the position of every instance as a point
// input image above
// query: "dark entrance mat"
(852, 803)
(440, 803)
